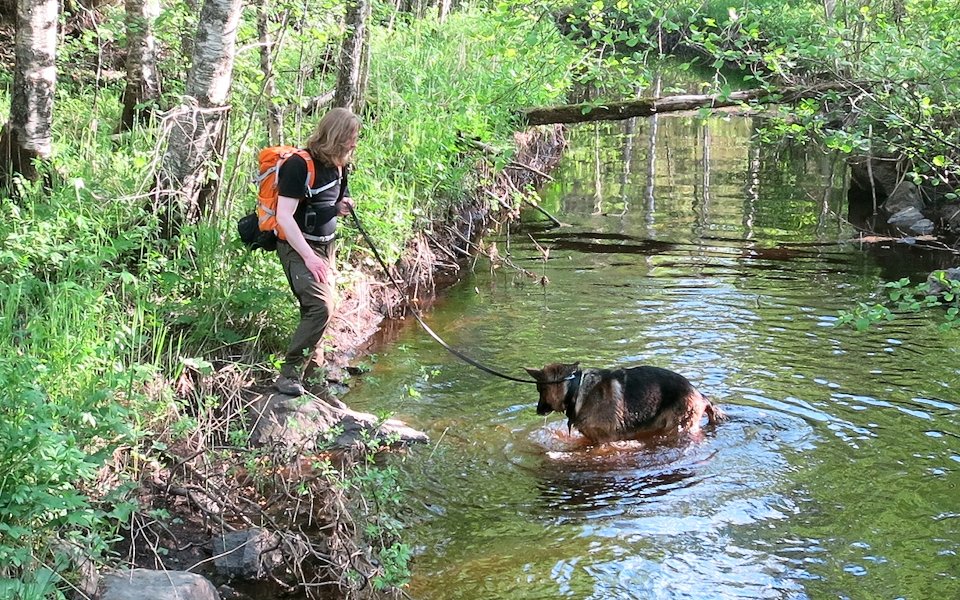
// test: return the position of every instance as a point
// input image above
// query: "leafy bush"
(906, 297)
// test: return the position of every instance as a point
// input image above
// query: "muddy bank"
(296, 511)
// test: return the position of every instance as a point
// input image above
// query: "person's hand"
(317, 267)
(345, 206)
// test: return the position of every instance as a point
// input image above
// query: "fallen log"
(645, 107)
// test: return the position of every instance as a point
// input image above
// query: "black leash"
(426, 327)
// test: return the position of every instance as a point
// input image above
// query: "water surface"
(688, 246)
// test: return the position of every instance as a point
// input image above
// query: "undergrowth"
(102, 319)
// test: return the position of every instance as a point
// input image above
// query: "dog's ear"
(535, 373)
(573, 367)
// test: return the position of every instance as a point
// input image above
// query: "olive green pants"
(317, 303)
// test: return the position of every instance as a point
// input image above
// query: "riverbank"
(256, 495)
(129, 356)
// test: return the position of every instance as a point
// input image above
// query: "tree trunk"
(274, 114)
(443, 9)
(27, 135)
(143, 86)
(348, 91)
(828, 8)
(365, 62)
(611, 111)
(187, 178)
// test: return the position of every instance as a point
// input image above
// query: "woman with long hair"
(307, 214)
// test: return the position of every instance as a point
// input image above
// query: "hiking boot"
(290, 386)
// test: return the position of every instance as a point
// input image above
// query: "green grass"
(97, 309)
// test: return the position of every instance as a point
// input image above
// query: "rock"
(906, 195)
(937, 288)
(248, 554)
(922, 227)
(948, 213)
(303, 422)
(886, 174)
(228, 593)
(905, 217)
(145, 584)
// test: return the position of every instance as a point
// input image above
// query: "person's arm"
(286, 206)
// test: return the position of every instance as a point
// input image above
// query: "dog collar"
(570, 398)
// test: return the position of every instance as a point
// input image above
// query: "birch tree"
(27, 135)
(348, 91)
(143, 85)
(197, 128)
(443, 10)
(274, 114)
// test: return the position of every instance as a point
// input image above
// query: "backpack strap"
(341, 179)
(311, 170)
(311, 174)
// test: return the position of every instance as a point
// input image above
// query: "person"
(308, 220)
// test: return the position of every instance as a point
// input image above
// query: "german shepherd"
(607, 405)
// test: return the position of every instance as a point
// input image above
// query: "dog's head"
(552, 381)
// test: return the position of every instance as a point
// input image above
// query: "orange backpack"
(271, 158)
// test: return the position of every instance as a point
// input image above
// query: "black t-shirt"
(316, 214)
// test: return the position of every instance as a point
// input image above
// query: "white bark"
(143, 85)
(443, 9)
(214, 49)
(348, 90)
(198, 126)
(274, 114)
(828, 8)
(28, 133)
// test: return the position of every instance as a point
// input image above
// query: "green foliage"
(64, 341)
(97, 308)
(900, 55)
(433, 85)
(908, 81)
(938, 292)
(379, 487)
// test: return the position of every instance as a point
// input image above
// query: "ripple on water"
(747, 451)
(678, 496)
(730, 572)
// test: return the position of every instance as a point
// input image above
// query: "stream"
(688, 245)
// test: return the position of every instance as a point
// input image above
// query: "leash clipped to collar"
(426, 327)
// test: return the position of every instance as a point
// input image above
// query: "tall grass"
(96, 309)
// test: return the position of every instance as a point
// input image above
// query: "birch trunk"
(274, 115)
(27, 135)
(828, 8)
(143, 86)
(443, 10)
(197, 128)
(348, 90)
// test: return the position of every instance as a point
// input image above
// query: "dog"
(608, 405)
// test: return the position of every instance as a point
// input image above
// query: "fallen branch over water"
(645, 107)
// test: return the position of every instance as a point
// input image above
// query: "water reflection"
(679, 500)
(691, 247)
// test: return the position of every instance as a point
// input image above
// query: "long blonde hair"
(329, 142)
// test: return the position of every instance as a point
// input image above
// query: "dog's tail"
(714, 414)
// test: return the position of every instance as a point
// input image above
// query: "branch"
(645, 107)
